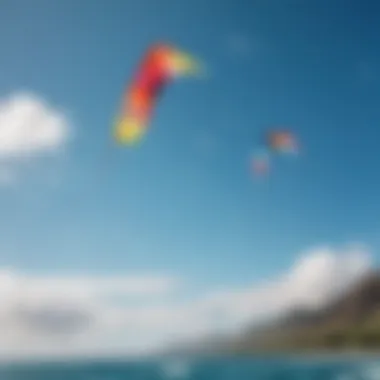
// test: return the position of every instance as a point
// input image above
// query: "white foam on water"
(370, 372)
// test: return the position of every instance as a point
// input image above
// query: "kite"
(161, 64)
(276, 142)
(282, 141)
(261, 162)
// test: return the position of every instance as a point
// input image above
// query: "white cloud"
(29, 127)
(41, 312)
(316, 278)
(45, 288)
(323, 274)
(38, 313)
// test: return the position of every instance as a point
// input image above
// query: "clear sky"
(184, 202)
(172, 204)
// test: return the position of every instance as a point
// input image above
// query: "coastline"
(334, 355)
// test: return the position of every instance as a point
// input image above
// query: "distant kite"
(261, 161)
(282, 141)
(159, 66)
(276, 142)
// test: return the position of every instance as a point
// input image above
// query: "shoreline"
(355, 355)
(297, 356)
(344, 355)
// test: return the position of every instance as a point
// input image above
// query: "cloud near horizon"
(61, 316)
(29, 128)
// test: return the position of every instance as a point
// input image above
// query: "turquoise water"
(226, 369)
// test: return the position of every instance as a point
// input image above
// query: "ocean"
(200, 369)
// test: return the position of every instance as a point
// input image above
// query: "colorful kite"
(276, 142)
(282, 141)
(160, 65)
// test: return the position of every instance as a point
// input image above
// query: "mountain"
(350, 322)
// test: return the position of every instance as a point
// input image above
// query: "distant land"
(349, 324)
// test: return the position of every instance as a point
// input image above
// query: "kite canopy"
(282, 141)
(159, 66)
(276, 142)
(261, 161)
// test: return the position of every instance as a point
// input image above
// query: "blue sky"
(171, 206)
(77, 224)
